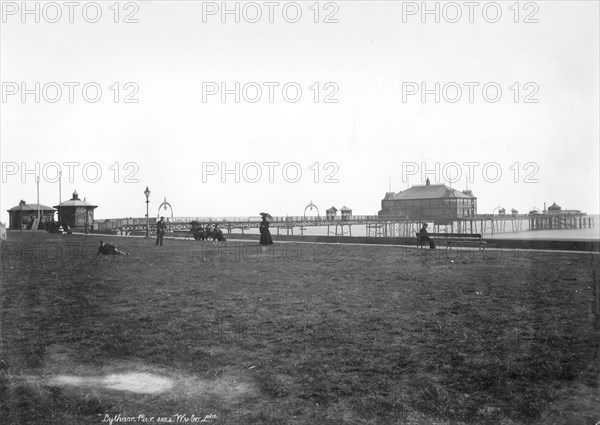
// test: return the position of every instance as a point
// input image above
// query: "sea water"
(361, 230)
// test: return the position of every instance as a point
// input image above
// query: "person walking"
(265, 233)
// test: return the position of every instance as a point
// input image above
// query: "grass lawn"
(309, 334)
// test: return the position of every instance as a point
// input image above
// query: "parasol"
(267, 216)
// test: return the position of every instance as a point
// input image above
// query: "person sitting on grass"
(217, 234)
(108, 249)
(424, 236)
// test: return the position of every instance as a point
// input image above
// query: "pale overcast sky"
(375, 53)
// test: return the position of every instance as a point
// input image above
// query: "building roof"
(75, 202)
(553, 207)
(32, 207)
(331, 209)
(431, 191)
(345, 208)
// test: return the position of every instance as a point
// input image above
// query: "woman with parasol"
(265, 234)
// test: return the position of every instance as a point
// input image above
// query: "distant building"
(431, 202)
(331, 213)
(346, 213)
(26, 215)
(555, 209)
(76, 213)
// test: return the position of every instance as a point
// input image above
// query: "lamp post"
(493, 211)
(147, 193)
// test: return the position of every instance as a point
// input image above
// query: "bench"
(186, 234)
(473, 239)
(453, 239)
(434, 236)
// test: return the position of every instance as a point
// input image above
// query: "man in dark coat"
(108, 249)
(160, 231)
(424, 236)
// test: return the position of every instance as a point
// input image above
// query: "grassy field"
(308, 334)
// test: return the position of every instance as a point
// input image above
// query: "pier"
(376, 226)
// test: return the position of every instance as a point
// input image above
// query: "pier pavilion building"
(437, 203)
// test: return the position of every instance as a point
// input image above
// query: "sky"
(225, 118)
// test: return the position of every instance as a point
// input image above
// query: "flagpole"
(37, 181)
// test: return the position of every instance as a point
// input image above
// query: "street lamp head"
(147, 192)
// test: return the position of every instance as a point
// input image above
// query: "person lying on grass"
(108, 249)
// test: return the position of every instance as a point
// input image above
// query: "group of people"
(57, 227)
(217, 235)
(202, 233)
(205, 233)
(199, 232)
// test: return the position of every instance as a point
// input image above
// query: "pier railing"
(481, 223)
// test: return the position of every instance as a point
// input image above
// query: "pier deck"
(376, 226)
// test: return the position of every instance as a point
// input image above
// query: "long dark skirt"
(265, 237)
